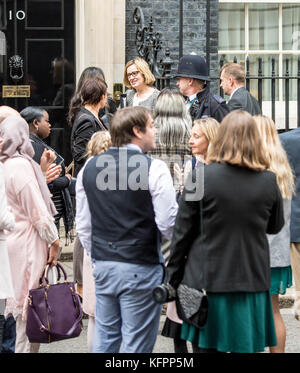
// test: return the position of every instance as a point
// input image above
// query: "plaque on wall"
(16, 91)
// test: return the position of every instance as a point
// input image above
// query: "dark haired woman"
(39, 129)
(106, 113)
(85, 122)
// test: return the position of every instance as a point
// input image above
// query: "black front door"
(37, 61)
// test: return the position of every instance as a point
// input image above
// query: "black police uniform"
(206, 104)
(209, 105)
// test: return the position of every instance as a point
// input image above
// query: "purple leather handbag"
(54, 311)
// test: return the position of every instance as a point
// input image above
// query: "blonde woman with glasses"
(139, 79)
(281, 272)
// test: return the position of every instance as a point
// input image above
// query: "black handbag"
(192, 305)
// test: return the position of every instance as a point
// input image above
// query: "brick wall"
(165, 15)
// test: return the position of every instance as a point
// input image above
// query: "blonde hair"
(209, 127)
(238, 143)
(99, 143)
(276, 155)
(143, 68)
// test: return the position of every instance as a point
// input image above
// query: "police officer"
(192, 76)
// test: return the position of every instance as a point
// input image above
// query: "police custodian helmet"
(192, 66)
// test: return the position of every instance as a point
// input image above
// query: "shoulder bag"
(54, 311)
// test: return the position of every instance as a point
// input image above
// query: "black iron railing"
(287, 77)
(149, 44)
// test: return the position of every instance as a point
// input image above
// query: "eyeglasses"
(133, 74)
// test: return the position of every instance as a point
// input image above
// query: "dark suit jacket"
(291, 142)
(232, 253)
(242, 99)
(84, 126)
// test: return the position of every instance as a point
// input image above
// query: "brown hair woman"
(220, 242)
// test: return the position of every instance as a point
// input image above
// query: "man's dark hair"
(121, 127)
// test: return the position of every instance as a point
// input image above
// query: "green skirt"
(237, 322)
(281, 279)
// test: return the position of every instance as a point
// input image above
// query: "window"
(266, 29)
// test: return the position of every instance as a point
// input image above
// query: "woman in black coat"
(220, 242)
(85, 122)
(40, 128)
(86, 119)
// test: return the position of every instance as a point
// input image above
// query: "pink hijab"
(15, 133)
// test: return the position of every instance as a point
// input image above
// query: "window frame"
(280, 51)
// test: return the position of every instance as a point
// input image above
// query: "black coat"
(232, 254)
(58, 186)
(291, 143)
(209, 105)
(242, 99)
(85, 125)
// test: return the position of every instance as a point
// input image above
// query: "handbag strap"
(70, 331)
(44, 275)
(59, 268)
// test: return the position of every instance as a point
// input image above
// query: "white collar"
(192, 98)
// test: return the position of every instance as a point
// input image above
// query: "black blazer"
(39, 146)
(232, 254)
(85, 125)
(242, 99)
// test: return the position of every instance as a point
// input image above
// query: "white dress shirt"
(163, 198)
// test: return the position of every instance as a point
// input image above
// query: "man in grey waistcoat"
(232, 82)
(125, 200)
(291, 143)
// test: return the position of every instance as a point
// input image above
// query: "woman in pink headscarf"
(34, 241)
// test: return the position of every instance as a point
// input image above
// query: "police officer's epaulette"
(219, 99)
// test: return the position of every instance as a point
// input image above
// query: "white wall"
(100, 38)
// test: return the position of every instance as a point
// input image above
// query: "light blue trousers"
(126, 316)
